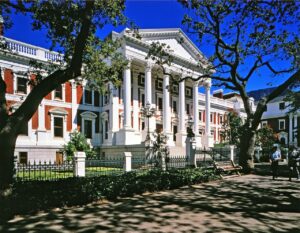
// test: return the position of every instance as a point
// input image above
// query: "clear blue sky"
(146, 14)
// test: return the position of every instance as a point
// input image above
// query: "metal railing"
(102, 167)
(44, 170)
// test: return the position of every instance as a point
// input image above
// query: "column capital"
(129, 59)
(167, 69)
(196, 83)
(207, 85)
(149, 66)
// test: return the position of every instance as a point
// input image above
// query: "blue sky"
(146, 14)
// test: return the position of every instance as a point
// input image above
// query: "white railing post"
(191, 151)
(232, 152)
(79, 164)
(15, 166)
(127, 164)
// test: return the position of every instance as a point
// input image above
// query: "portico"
(144, 82)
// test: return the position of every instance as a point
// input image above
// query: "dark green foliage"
(41, 195)
(232, 128)
(78, 142)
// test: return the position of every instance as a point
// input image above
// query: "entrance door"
(59, 158)
(174, 132)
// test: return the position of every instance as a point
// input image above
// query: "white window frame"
(279, 121)
(104, 117)
(62, 113)
(15, 80)
(264, 124)
(63, 94)
(83, 97)
(91, 117)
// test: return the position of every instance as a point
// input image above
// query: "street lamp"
(190, 124)
(148, 112)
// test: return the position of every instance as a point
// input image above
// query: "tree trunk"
(247, 143)
(7, 148)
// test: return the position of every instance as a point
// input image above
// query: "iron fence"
(43, 170)
(179, 161)
(103, 167)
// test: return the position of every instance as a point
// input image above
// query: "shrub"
(40, 195)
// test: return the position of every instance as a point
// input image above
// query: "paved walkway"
(242, 204)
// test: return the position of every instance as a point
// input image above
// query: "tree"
(293, 97)
(246, 39)
(71, 27)
(231, 129)
(265, 137)
(78, 142)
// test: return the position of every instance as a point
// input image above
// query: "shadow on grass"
(244, 204)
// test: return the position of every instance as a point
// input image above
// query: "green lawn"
(50, 175)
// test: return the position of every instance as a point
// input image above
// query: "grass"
(54, 174)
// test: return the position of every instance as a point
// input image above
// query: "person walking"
(274, 159)
(294, 159)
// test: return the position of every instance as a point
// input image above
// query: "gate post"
(191, 151)
(127, 164)
(79, 164)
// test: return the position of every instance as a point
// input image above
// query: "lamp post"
(191, 143)
(148, 112)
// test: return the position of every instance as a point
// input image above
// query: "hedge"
(28, 197)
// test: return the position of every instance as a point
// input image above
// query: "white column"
(166, 106)
(207, 109)
(127, 161)
(74, 106)
(79, 164)
(135, 105)
(148, 97)
(41, 114)
(182, 107)
(114, 110)
(291, 128)
(148, 79)
(127, 96)
(196, 108)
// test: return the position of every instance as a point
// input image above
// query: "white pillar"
(196, 108)
(148, 79)
(135, 105)
(208, 138)
(74, 105)
(114, 119)
(207, 109)
(79, 164)
(41, 114)
(166, 106)
(182, 107)
(127, 161)
(127, 97)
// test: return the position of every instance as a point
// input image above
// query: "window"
(160, 103)
(221, 119)
(281, 124)
(58, 93)
(24, 129)
(189, 92)
(175, 88)
(59, 158)
(23, 157)
(141, 79)
(211, 117)
(174, 132)
(106, 129)
(159, 84)
(88, 128)
(200, 116)
(143, 100)
(88, 96)
(264, 124)
(174, 106)
(21, 85)
(187, 109)
(58, 127)
(281, 105)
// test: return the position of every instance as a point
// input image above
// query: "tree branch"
(3, 104)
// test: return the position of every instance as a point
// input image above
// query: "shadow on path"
(242, 204)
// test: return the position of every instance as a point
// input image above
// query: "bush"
(41, 195)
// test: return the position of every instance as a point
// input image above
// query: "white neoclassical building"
(114, 122)
(174, 103)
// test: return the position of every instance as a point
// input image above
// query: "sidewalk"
(242, 204)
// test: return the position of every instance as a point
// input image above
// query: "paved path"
(242, 204)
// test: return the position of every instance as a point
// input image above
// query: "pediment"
(180, 45)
